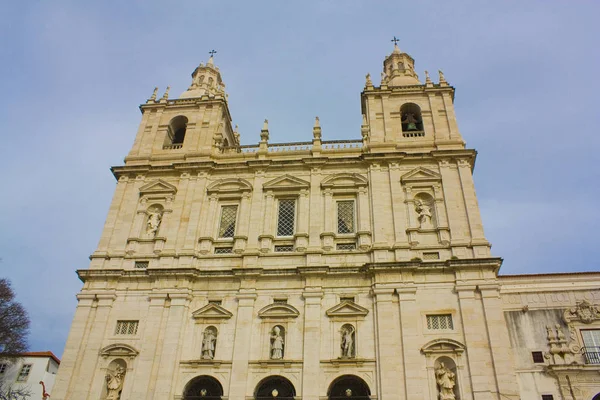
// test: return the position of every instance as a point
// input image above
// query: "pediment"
(421, 174)
(212, 311)
(278, 310)
(286, 182)
(443, 346)
(229, 186)
(344, 180)
(347, 309)
(119, 350)
(158, 187)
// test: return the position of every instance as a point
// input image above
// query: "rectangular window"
(286, 218)
(538, 357)
(440, 321)
(591, 343)
(345, 216)
(141, 264)
(3, 368)
(279, 301)
(547, 397)
(347, 298)
(284, 248)
(24, 373)
(126, 328)
(223, 250)
(345, 246)
(215, 302)
(434, 255)
(227, 224)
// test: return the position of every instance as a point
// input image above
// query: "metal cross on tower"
(395, 40)
(213, 52)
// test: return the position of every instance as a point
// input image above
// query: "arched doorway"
(275, 388)
(203, 387)
(349, 387)
(596, 397)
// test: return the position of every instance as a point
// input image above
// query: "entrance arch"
(596, 397)
(203, 387)
(275, 388)
(348, 387)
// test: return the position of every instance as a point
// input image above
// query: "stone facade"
(314, 270)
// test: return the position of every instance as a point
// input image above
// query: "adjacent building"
(346, 269)
(26, 373)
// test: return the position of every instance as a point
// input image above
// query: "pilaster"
(241, 344)
(311, 369)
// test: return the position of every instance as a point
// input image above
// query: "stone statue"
(114, 383)
(276, 344)
(446, 380)
(208, 344)
(424, 212)
(383, 78)
(154, 220)
(369, 81)
(347, 344)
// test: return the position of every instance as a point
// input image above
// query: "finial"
(317, 122)
(427, 78)
(442, 78)
(153, 97)
(395, 40)
(369, 82)
(266, 125)
(212, 53)
(166, 95)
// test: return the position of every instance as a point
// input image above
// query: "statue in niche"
(114, 383)
(276, 344)
(424, 212)
(368, 78)
(347, 343)
(209, 341)
(446, 380)
(154, 220)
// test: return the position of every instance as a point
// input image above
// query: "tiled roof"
(42, 354)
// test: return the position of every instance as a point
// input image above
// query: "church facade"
(349, 269)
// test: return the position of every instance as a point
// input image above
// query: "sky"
(73, 74)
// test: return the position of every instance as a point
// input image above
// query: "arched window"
(201, 80)
(446, 379)
(401, 66)
(275, 387)
(412, 120)
(176, 129)
(348, 387)
(203, 387)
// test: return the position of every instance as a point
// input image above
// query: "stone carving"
(276, 343)
(347, 343)
(424, 214)
(114, 383)
(583, 311)
(209, 341)
(561, 351)
(154, 220)
(348, 392)
(446, 380)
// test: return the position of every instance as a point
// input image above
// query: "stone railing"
(328, 145)
(293, 146)
(341, 144)
(172, 146)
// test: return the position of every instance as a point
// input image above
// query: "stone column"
(170, 355)
(241, 344)
(480, 362)
(198, 202)
(470, 202)
(411, 342)
(301, 235)
(171, 229)
(207, 225)
(328, 217)
(455, 211)
(65, 379)
(312, 343)
(388, 351)
(243, 225)
(256, 214)
(266, 237)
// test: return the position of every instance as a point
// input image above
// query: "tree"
(7, 392)
(14, 322)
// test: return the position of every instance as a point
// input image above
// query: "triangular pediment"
(212, 311)
(158, 187)
(347, 309)
(286, 182)
(119, 350)
(344, 180)
(278, 310)
(421, 174)
(229, 186)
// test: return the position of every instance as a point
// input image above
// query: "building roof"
(41, 354)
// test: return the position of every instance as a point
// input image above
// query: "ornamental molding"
(419, 175)
(344, 181)
(212, 311)
(278, 310)
(584, 312)
(119, 350)
(347, 308)
(286, 182)
(443, 346)
(158, 187)
(231, 186)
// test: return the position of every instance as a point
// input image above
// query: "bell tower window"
(412, 120)
(176, 130)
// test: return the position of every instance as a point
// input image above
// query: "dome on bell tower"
(206, 80)
(399, 69)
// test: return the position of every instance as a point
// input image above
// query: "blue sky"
(73, 74)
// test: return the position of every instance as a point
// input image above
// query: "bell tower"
(403, 113)
(195, 125)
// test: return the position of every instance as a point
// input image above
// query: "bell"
(411, 126)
